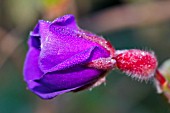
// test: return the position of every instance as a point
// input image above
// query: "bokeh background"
(142, 24)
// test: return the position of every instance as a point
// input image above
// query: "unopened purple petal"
(70, 78)
(34, 41)
(67, 21)
(56, 83)
(57, 47)
(31, 68)
(35, 37)
(78, 59)
(44, 91)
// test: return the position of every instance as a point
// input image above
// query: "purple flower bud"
(58, 55)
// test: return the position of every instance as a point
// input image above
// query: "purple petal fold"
(64, 81)
(77, 59)
(61, 44)
(31, 68)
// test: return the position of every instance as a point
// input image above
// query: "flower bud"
(137, 63)
(63, 58)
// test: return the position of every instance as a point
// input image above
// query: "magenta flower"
(62, 57)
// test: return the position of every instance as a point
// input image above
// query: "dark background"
(142, 24)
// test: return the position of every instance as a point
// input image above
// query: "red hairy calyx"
(136, 63)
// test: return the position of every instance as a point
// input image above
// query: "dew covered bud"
(58, 57)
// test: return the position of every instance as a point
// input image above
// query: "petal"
(64, 21)
(56, 48)
(56, 83)
(77, 59)
(31, 68)
(45, 92)
(34, 40)
(36, 29)
(55, 51)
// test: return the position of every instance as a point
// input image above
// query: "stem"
(160, 78)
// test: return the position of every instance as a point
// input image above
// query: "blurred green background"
(143, 24)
